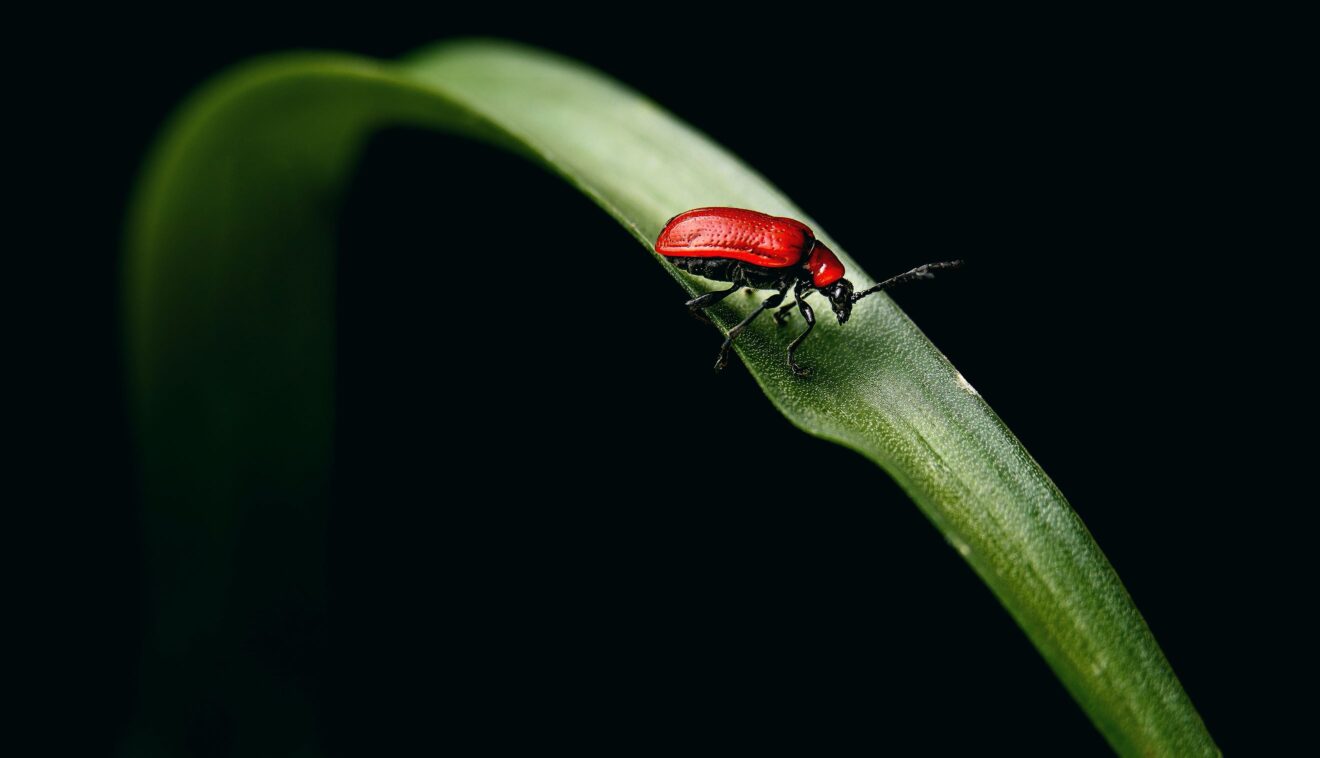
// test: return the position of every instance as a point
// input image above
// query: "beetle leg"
(770, 302)
(784, 313)
(810, 317)
(697, 304)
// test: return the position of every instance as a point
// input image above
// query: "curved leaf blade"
(230, 325)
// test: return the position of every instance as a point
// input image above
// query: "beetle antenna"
(920, 272)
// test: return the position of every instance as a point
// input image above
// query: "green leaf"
(230, 321)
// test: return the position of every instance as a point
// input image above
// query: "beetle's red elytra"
(750, 237)
(738, 234)
(757, 250)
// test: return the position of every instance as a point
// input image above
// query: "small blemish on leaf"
(962, 382)
(962, 547)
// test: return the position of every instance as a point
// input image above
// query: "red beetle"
(760, 251)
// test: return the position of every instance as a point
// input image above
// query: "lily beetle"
(759, 251)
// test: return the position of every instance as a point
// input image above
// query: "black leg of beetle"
(784, 313)
(697, 305)
(769, 302)
(810, 317)
(920, 272)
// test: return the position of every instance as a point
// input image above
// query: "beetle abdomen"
(749, 236)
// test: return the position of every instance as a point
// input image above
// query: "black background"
(643, 566)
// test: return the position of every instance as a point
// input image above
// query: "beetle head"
(841, 299)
